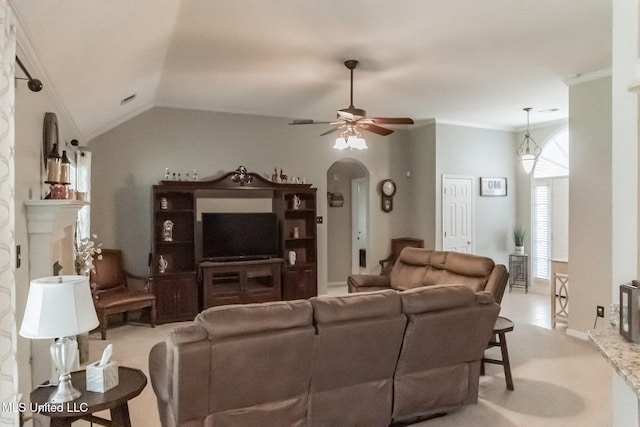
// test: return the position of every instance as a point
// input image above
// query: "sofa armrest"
(158, 371)
(368, 283)
(497, 282)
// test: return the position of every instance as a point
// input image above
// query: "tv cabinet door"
(176, 297)
(262, 283)
(221, 286)
(299, 282)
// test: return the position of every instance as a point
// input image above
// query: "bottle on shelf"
(65, 169)
(53, 165)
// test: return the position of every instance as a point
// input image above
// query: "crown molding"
(474, 125)
(583, 78)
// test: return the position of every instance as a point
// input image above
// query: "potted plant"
(519, 234)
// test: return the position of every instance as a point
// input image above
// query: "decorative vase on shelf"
(520, 249)
(163, 264)
(296, 202)
(292, 257)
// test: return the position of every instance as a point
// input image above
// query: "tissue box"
(102, 378)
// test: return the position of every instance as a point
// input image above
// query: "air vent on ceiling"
(128, 99)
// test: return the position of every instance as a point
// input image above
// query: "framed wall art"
(493, 186)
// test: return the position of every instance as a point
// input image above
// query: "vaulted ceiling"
(463, 61)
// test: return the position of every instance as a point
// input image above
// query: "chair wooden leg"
(103, 326)
(153, 314)
(505, 361)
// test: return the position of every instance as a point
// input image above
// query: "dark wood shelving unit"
(176, 288)
(187, 286)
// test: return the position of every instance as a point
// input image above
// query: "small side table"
(131, 382)
(519, 271)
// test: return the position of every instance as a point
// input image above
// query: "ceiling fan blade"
(377, 129)
(393, 120)
(335, 129)
(307, 122)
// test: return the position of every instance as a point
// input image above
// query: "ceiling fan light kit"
(528, 151)
(351, 120)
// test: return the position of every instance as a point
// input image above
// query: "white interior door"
(359, 191)
(457, 213)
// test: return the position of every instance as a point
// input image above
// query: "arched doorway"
(347, 219)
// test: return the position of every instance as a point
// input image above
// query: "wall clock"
(49, 134)
(387, 191)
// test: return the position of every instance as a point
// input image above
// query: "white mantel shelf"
(46, 216)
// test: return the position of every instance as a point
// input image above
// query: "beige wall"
(590, 213)
(422, 184)
(30, 108)
(480, 153)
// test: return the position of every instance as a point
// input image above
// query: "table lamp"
(60, 307)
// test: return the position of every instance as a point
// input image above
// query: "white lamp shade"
(359, 144)
(340, 144)
(58, 306)
(527, 162)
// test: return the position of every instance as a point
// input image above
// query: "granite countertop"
(623, 356)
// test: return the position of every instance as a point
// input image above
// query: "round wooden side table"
(131, 382)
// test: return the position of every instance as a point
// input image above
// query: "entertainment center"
(201, 259)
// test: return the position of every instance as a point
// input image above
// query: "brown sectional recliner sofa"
(365, 359)
(416, 267)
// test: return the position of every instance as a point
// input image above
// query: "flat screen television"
(239, 235)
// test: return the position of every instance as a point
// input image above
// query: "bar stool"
(500, 329)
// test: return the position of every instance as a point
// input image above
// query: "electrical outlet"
(599, 311)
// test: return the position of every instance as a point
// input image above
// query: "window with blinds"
(541, 230)
(553, 163)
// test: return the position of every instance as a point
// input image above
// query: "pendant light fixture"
(351, 139)
(528, 151)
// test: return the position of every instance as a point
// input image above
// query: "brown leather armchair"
(397, 245)
(111, 292)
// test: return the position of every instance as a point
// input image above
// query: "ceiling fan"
(352, 119)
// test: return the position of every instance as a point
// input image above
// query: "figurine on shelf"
(167, 231)
(283, 177)
(274, 177)
(163, 264)
(167, 175)
(296, 202)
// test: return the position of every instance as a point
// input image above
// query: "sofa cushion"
(357, 345)
(233, 320)
(436, 297)
(409, 269)
(454, 267)
(259, 362)
(447, 332)
(461, 263)
(360, 306)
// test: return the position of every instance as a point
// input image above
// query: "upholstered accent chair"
(111, 291)
(397, 245)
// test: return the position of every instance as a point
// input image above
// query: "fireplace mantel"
(51, 226)
(49, 216)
